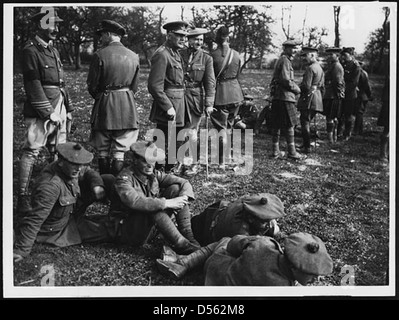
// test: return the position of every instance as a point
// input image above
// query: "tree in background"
(337, 10)
(378, 45)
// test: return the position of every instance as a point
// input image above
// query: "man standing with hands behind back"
(112, 81)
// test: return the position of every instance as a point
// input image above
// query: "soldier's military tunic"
(166, 85)
(351, 77)
(199, 80)
(284, 91)
(248, 261)
(55, 200)
(136, 197)
(112, 81)
(364, 92)
(45, 93)
(228, 96)
(312, 88)
(334, 90)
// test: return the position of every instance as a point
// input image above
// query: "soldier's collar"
(43, 43)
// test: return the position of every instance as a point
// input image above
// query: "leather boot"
(26, 165)
(104, 165)
(116, 166)
(358, 128)
(306, 137)
(349, 124)
(335, 131)
(183, 219)
(276, 150)
(384, 148)
(186, 263)
(172, 235)
(276, 144)
(330, 128)
(292, 153)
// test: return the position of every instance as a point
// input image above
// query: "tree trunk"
(337, 10)
(78, 64)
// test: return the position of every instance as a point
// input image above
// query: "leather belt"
(193, 84)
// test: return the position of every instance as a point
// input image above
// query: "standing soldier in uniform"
(228, 96)
(363, 96)
(47, 106)
(199, 80)
(112, 81)
(351, 77)
(312, 90)
(166, 85)
(334, 92)
(283, 91)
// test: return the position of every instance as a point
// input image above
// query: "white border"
(164, 291)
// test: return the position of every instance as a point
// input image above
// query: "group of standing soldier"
(185, 83)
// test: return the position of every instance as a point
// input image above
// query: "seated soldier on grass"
(249, 215)
(254, 261)
(143, 196)
(63, 191)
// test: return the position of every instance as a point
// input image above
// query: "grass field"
(340, 194)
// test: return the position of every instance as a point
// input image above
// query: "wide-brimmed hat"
(74, 152)
(148, 150)
(179, 27)
(308, 254)
(111, 26)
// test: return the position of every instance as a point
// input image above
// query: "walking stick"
(206, 145)
(315, 131)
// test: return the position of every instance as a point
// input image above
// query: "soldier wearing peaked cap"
(47, 107)
(144, 197)
(63, 191)
(312, 89)
(166, 86)
(283, 91)
(248, 215)
(351, 76)
(112, 82)
(255, 261)
(334, 92)
(199, 94)
(363, 96)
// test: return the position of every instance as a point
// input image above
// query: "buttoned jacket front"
(285, 87)
(199, 80)
(334, 81)
(43, 79)
(166, 85)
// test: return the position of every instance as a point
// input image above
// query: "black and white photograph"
(183, 149)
